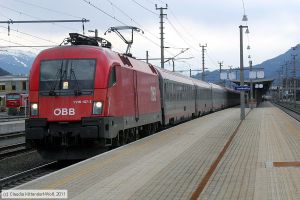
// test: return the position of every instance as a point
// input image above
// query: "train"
(84, 98)
(16, 103)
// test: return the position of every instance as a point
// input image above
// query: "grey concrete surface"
(172, 163)
(12, 127)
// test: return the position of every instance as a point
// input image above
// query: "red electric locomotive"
(87, 96)
(16, 103)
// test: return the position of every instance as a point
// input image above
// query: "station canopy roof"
(261, 80)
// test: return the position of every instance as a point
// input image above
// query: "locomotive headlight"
(97, 107)
(98, 104)
(34, 109)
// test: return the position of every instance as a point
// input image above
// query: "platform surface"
(172, 163)
(12, 127)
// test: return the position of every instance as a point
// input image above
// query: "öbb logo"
(64, 111)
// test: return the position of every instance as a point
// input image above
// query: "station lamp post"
(251, 86)
(242, 71)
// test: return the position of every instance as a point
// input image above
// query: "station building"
(12, 83)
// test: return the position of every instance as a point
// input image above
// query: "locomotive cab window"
(112, 77)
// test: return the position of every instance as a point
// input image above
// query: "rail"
(17, 179)
(11, 135)
(289, 109)
(10, 150)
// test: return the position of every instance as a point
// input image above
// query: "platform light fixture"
(247, 30)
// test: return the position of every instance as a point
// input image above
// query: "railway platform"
(212, 157)
(12, 127)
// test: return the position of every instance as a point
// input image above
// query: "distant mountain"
(16, 62)
(3, 72)
(271, 67)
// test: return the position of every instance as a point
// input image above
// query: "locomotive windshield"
(67, 76)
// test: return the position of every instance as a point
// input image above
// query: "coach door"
(136, 96)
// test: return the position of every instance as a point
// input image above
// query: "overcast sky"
(273, 25)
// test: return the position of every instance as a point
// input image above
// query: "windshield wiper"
(77, 91)
(58, 79)
(53, 85)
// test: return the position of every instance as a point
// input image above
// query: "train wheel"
(123, 137)
(116, 141)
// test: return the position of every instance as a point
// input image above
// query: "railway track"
(10, 150)
(13, 145)
(12, 135)
(28, 175)
(31, 174)
(290, 111)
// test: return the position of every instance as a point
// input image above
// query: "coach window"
(167, 94)
(112, 76)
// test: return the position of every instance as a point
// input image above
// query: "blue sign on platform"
(243, 88)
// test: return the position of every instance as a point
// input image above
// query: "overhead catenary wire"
(33, 17)
(179, 34)
(150, 1)
(115, 18)
(212, 60)
(182, 26)
(145, 8)
(190, 37)
(124, 13)
(118, 20)
(4, 16)
(36, 37)
(182, 38)
(17, 43)
(150, 11)
(104, 12)
(48, 9)
(27, 40)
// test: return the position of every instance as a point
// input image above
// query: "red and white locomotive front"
(68, 87)
(63, 82)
